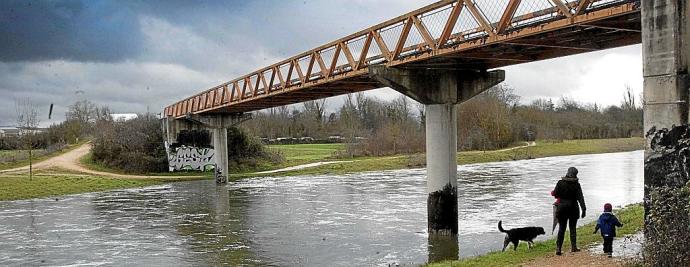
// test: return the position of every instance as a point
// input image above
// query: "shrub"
(133, 146)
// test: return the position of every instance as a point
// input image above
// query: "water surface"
(365, 219)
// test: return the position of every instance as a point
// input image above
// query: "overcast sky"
(139, 55)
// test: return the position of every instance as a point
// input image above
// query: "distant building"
(11, 131)
(123, 116)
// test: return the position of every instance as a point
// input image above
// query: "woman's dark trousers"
(564, 221)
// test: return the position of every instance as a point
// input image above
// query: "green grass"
(631, 216)
(21, 163)
(550, 149)
(306, 153)
(13, 187)
(542, 149)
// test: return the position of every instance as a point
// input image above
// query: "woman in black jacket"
(569, 192)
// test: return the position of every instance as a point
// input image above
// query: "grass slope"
(631, 216)
(51, 183)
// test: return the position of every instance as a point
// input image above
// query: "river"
(364, 219)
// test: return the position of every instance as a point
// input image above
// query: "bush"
(133, 146)
(244, 150)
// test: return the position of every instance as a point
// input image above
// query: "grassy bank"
(631, 216)
(306, 153)
(302, 154)
(88, 162)
(25, 162)
(50, 184)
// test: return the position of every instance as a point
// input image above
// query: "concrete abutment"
(440, 91)
(666, 57)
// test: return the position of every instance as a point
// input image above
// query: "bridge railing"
(435, 29)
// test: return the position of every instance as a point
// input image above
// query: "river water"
(365, 219)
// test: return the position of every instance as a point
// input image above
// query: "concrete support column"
(440, 91)
(441, 164)
(220, 147)
(666, 57)
(218, 124)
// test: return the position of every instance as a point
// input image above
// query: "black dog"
(515, 235)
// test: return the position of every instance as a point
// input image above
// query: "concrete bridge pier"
(666, 62)
(440, 91)
(220, 147)
(218, 124)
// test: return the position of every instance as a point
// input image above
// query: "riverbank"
(64, 174)
(360, 164)
(55, 183)
(542, 254)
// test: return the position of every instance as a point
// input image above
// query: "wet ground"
(344, 220)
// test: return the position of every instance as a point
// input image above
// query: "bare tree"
(628, 103)
(81, 115)
(83, 111)
(27, 122)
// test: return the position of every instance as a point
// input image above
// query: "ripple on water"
(372, 218)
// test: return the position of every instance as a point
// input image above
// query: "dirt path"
(582, 258)
(304, 166)
(70, 161)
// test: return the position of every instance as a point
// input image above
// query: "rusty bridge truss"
(458, 34)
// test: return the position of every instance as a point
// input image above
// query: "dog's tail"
(500, 228)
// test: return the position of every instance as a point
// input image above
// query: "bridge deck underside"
(605, 34)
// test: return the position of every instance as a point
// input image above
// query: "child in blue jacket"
(607, 223)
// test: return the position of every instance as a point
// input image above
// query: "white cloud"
(596, 77)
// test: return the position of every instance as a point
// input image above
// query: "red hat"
(607, 207)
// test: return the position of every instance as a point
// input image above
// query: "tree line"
(491, 120)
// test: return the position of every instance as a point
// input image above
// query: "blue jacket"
(607, 223)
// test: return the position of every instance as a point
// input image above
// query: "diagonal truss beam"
(479, 17)
(450, 24)
(582, 6)
(507, 16)
(288, 76)
(564, 10)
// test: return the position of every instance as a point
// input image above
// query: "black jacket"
(569, 191)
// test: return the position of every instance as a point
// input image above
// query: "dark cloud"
(78, 30)
(138, 55)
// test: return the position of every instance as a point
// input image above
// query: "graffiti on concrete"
(191, 159)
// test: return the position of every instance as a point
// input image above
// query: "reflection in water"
(443, 247)
(345, 220)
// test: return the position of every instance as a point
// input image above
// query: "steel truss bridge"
(457, 34)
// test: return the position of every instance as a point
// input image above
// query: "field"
(306, 153)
